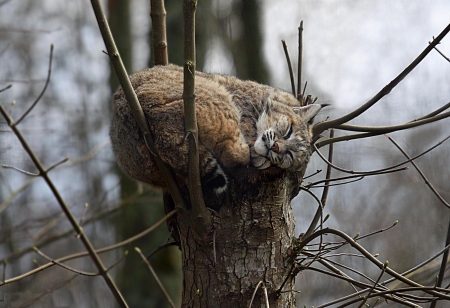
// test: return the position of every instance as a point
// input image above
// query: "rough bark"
(254, 231)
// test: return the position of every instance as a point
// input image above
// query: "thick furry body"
(240, 123)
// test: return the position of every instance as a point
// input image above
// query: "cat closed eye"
(288, 133)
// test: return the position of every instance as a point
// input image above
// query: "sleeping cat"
(240, 123)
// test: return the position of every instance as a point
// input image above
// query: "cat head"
(284, 136)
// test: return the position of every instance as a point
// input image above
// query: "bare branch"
(73, 162)
(435, 112)
(323, 200)
(322, 126)
(441, 53)
(159, 38)
(200, 218)
(447, 242)
(374, 285)
(57, 164)
(443, 265)
(392, 128)
(288, 60)
(6, 88)
(312, 174)
(133, 101)
(395, 166)
(373, 172)
(319, 212)
(102, 250)
(47, 81)
(389, 280)
(369, 256)
(150, 267)
(427, 182)
(85, 240)
(254, 293)
(63, 265)
(317, 216)
(361, 285)
(299, 68)
(20, 170)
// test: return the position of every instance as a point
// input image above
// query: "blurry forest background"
(351, 50)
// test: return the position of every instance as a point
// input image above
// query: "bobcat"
(240, 123)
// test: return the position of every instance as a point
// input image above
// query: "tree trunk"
(254, 232)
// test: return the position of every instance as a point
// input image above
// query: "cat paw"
(261, 162)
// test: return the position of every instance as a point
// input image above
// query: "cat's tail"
(214, 178)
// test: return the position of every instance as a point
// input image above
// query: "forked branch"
(322, 126)
(43, 172)
(371, 258)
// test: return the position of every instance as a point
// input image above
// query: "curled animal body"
(240, 123)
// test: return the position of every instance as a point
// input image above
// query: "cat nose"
(275, 148)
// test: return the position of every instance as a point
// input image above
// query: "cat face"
(284, 137)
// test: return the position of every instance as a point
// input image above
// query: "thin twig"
(63, 265)
(85, 240)
(374, 285)
(433, 113)
(376, 232)
(85, 207)
(47, 81)
(392, 128)
(319, 212)
(443, 266)
(254, 293)
(398, 165)
(299, 67)
(288, 60)
(317, 216)
(57, 164)
(427, 182)
(102, 250)
(266, 297)
(441, 53)
(168, 244)
(362, 285)
(369, 256)
(323, 200)
(21, 171)
(389, 280)
(327, 181)
(360, 172)
(312, 174)
(322, 126)
(6, 88)
(150, 267)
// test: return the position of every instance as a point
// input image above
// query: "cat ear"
(307, 113)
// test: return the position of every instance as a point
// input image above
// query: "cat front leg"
(234, 153)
